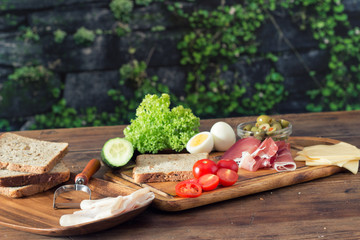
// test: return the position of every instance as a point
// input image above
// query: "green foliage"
(29, 34)
(268, 94)
(143, 2)
(5, 125)
(133, 78)
(122, 9)
(30, 74)
(11, 19)
(215, 41)
(63, 116)
(340, 88)
(59, 35)
(219, 38)
(34, 76)
(84, 36)
(158, 28)
(122, 29)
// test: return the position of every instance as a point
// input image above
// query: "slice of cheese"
(352, 166)
(341, 154)
(340, 149)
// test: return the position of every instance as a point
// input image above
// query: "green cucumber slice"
(117, 152)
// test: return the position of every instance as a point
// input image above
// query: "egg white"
(206, 146)
(223, 135)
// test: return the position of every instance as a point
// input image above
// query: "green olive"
(284, 123)
(277, 126)
(263, 119)
(254, 129)
(264, 126)
(247, 127)
(270, 131)
(248, 134)
(259, 135)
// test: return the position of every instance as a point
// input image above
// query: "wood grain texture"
(248, 182)
(36, 214)
(327, 208)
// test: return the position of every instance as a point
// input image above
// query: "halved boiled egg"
(202, 142)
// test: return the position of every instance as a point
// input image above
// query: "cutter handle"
(89, 170)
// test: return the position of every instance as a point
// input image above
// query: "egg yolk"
(197, 140)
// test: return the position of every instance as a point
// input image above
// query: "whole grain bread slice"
(28, 190)
(165, 167)
(15, 179)
(23, 154)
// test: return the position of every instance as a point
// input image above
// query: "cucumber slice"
(117, 152)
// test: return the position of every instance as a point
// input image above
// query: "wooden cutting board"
(35, 214)
(248, 182)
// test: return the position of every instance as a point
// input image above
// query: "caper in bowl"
(266, 126)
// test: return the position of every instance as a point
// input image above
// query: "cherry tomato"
(227, 177)
(228, 163)
(209, 182)
(204, 166)
(188, 189)
(192, 180)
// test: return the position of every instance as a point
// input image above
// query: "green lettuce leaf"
(157, 127)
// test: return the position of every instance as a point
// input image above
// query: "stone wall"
(88, 72)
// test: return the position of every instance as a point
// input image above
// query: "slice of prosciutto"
(248, 145)
(284, 161)
(261, 157)
(252, 154)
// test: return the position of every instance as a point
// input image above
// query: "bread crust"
(21, 179)
(151, 168)
(28, 190)
(163, 177)
(5, 164)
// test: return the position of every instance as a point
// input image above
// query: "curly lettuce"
(157, 128)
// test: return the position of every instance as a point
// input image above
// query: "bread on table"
(29, 166)
(15, 179)
(165, 167)
(23, 154)
(28, 190)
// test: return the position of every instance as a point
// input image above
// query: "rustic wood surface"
(326, 208)
(247, 184)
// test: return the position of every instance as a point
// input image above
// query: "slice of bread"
(28, 190)
(15, 179)
(165, 167)
(23, 154)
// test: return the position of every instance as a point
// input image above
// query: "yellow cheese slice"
(352, 166)
(340, 149)
(341, 154)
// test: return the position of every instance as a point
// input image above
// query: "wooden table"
(327, 208)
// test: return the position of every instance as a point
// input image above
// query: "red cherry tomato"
(229, 164)
(209, 181)
(192, 180)
(188, 189)
(227, 177)
(204, 166)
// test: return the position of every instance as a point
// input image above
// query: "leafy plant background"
(217, 37)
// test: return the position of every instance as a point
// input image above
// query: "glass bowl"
(279, 135)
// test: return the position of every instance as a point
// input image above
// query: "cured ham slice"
(282, 144)
(267, 149)
(284, 161)
(249, 145)
(252, 154)
(261, 157)
(248, 162)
